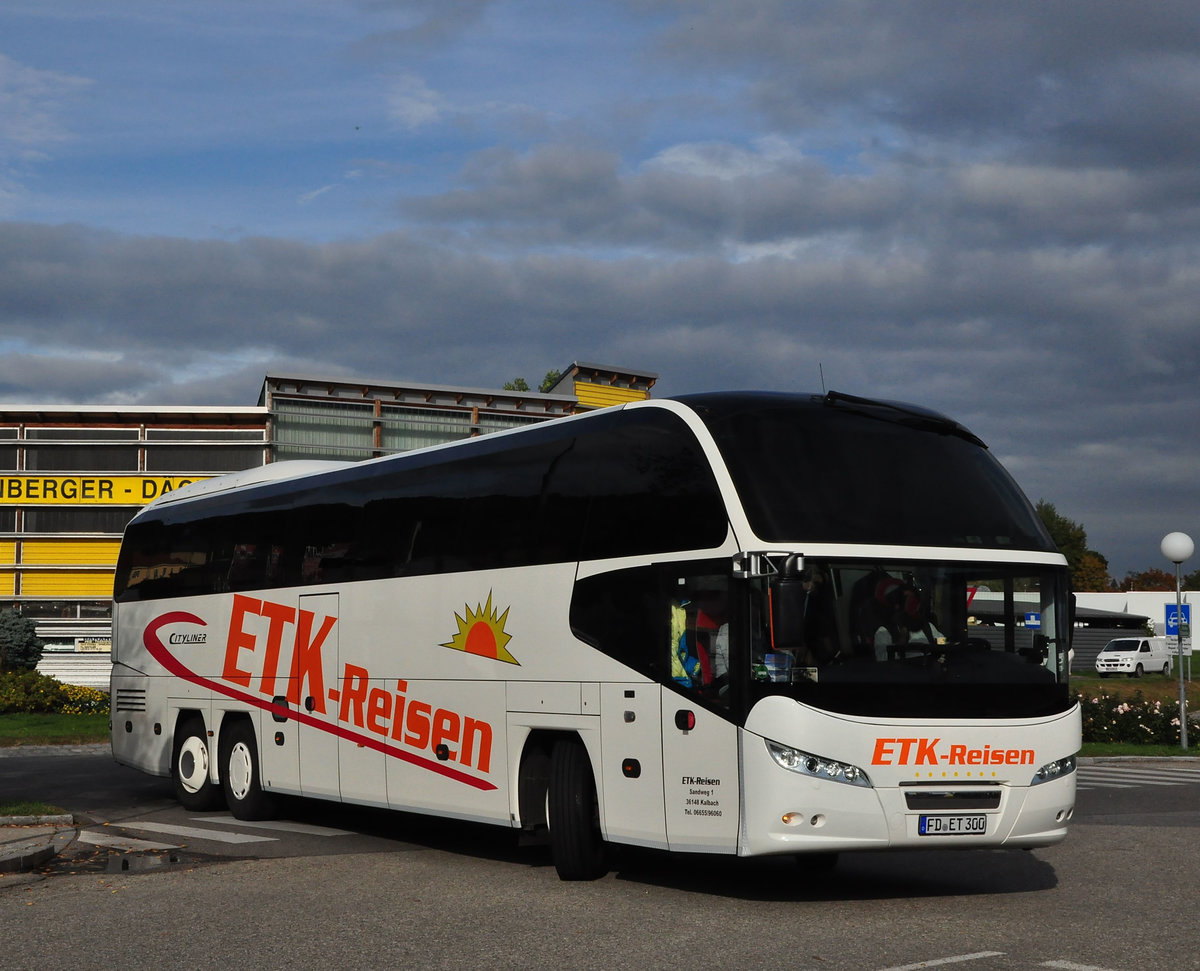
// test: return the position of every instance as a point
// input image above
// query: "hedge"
(29, 691)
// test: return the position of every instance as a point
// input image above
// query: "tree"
(520, 384)
(20, 647)
(1152, 579)
(1092, 575)
(1070, 538)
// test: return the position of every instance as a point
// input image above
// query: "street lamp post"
(1178, 547)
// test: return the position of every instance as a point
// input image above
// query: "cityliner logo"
(481, 632)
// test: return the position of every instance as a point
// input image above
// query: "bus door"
(699, 739)
(700, 776)
(316, 669)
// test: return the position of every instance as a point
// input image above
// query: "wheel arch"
(533, 773)
(183, 715)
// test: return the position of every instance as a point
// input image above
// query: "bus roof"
(275, 472)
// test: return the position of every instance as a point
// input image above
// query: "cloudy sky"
(988, 209)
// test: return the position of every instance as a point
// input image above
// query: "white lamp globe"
(1177, 547)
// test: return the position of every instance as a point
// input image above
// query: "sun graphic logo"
(481, 633)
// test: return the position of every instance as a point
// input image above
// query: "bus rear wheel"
(572, 814)
(190, 777)
(240, 776)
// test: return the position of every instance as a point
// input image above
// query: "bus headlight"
(1054, 770)
(827, 770)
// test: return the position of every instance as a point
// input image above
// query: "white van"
(1134, 656)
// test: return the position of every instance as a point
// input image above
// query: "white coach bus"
(723, 623)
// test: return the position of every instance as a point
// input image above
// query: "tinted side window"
(651, 488)
(618, 485)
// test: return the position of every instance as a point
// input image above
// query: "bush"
(20, 647)
(29, 691)
(1107, 718)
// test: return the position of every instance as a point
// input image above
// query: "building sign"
(93, 645)
(75, 490)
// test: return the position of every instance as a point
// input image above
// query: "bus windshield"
(824, 470)
(913, 639)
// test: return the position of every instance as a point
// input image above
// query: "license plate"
(952, 825)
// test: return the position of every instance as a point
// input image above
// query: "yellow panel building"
(71, 477)
(600, 385)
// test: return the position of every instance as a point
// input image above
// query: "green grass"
(21, 728)
(1154, 687)
(25, 807)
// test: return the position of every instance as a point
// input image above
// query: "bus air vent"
(952, 799)
(130, 699)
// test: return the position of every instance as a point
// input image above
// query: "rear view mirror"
(787, 606)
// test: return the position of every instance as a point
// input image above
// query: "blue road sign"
(1173, 619)
(1033, 619)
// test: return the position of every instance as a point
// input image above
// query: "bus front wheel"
(240, 777)
(190, 778)
(572, 814)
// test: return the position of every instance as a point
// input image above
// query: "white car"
(1134, 656)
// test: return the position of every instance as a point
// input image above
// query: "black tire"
(241, 776)
(1137, 672)
(572, 816)
(190, 776)
(1167, 668)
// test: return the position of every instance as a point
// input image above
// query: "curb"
(22, 855)
(58, 820)
(27, 842)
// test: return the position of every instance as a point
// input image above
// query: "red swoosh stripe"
(159, 652)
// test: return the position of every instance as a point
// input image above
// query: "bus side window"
(699, 640)
(621, 614)
(645, 616)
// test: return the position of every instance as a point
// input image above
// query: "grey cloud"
(583, 198)
(1023, 77)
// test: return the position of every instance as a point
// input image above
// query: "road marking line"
(1141, 773)
(195, 832)
(937, 962)
(127, 843)
(1071, 966)
(1137, 779)
(281, 825)
(1145, 773)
